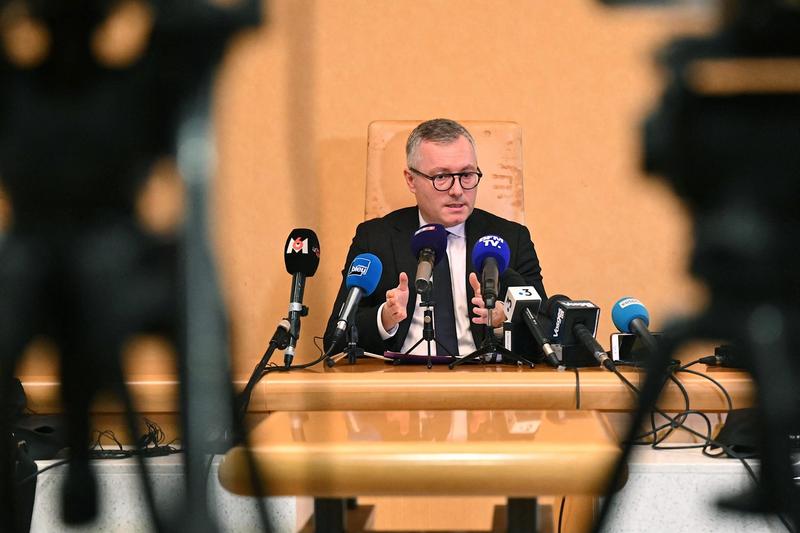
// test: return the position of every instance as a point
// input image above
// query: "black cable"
(751, 474)
(154, 437)
(45, 469)
(726, 449)
(683, 417)
(672, 420)
(243, 399)
(577, 389)
(561, 512)
(687, 365)
(252, 471)
(709, 441)
(242, 411)
(321, 358)
(712, 380)
(141, 445)
(687, 411)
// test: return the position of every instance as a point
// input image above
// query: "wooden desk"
(374, 385)
(336, 454)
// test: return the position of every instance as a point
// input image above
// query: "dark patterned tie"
(444, 319)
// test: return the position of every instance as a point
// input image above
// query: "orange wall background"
(294, 99)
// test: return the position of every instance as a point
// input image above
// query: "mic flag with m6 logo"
(302, 252)
(301, 259)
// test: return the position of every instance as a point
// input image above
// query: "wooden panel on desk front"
(341, 454)
(376, 385)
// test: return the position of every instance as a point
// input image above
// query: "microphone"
(429, 245)
(521, 305)
(301, 259)
(570, 320)
(630, 316)
(365, 273)
(490, 257)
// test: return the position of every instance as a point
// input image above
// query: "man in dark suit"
(443, 173)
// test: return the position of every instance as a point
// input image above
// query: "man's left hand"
(498, 313)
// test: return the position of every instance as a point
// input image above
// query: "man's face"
(448, 208)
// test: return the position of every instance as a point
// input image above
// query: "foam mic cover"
(365, 273)
(432, 237)
(625, 311)
(631, 316)
(429, 245)
(302, 252)
(491, 246)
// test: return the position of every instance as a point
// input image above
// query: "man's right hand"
(394, 311)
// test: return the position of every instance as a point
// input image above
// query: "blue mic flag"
(491, 246)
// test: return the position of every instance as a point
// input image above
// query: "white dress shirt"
(457, 256)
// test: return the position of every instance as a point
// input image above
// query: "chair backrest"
(499, 146)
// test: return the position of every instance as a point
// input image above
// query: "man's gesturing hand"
(394, 311)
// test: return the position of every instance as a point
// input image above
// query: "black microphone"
(301, 259)
(429, 245)
(570, 319)
(522, 304)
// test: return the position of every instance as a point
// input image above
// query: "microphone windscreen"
(491, 246)
(302, 252)
(432, 236)
(625, 310)
(365, 273)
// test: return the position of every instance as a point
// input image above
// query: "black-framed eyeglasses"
(444, 182)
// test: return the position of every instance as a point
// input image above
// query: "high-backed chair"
(499, 147)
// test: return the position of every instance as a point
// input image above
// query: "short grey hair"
(438, 130)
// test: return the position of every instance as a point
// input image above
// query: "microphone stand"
(428, 333)
(352, 351)
(490, 346)
(280, 340)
